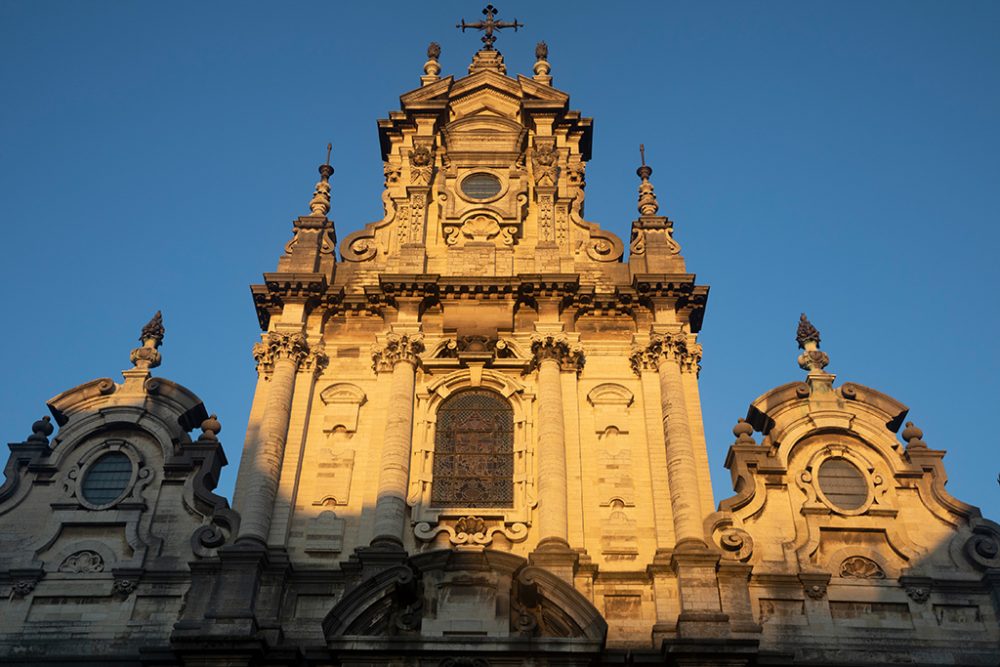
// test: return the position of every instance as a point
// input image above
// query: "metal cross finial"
(489, 26)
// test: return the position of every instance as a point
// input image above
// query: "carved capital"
(277, 346)
(315, 360)
(557, 347)
(676, 348)
(398, 348)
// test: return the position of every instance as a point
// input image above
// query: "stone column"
(399, 356)
(552, 353)
(672, 356)
(278, 356)
(645, 368)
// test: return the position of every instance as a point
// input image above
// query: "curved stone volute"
(494, 599)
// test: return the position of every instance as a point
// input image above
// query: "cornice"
(281, 288)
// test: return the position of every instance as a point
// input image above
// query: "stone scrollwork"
(859, 567)
(983, 548)
(276, 346)
(557, 347)
(361, 245)
(82, 562)
(397, 348)
(644, 228)
(471, 530)
(734, 542)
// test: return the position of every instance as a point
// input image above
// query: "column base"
(698, 586)
(555, 555)
(386, 543)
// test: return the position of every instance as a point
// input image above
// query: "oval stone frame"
(500, 194)
(809, 477)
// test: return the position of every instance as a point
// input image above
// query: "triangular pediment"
(486, 79)
(531, 89)
(437, 91)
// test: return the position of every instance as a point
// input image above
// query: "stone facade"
(477, 440)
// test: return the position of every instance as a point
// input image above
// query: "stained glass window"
(107, 479)
(474, 451)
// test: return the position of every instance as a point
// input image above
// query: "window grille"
(842, 483)
(107, 479)
(481, 186)
(474, 451)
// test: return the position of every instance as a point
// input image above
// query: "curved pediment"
(487, 596)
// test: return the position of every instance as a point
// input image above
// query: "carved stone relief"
(859, 567)
(82, 562)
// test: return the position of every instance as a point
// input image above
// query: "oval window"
(842, 483)
(481, 186)
(107, 479)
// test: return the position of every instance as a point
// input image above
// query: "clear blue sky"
(835, 157)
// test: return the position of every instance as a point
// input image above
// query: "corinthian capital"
(315, 361)
(668, 348)
(557, 347)
(397, 348)
(277, 346)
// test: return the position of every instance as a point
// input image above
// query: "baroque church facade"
(476, 439)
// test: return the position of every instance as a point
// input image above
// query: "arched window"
(474, 451)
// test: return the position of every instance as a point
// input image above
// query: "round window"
(481, 186)
(107, 479)
(842, 483)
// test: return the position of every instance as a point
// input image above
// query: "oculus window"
(107, 479)
(474, 451)
(842, 483)
(481, 186)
